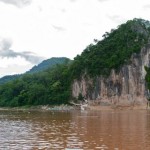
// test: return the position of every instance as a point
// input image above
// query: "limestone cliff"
(127, 86)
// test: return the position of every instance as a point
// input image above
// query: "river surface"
(88, 130)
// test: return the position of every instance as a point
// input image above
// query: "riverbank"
(69, 108)
(119, 107)
(40, 108)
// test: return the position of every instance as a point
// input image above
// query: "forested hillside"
(48, 63)
(53, 86)
(48, 87)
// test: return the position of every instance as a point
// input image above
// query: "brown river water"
(74, 130)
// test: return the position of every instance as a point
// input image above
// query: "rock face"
(127, 86)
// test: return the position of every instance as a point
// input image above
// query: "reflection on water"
(113, 130)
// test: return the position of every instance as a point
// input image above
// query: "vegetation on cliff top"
(113, 51)
(53, 86)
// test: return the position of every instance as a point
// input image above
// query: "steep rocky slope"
(123, 86)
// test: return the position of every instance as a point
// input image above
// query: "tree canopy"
(48, 87)
(114, 50)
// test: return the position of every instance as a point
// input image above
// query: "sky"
(34, 30)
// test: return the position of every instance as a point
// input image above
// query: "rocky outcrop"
(127, 86)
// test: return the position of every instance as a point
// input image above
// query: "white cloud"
(102, 0)
(18, 3)
(7, 52)
(9, 66)
(146, 7)
(116, 18)
(58, 28)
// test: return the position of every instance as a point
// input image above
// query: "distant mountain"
(49, 63)
(9, 78)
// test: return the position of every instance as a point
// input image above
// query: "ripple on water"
(66, 130)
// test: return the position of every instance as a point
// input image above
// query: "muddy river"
(87, 130)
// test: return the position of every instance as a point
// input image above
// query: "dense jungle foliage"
(48, 87)
(53, 86)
